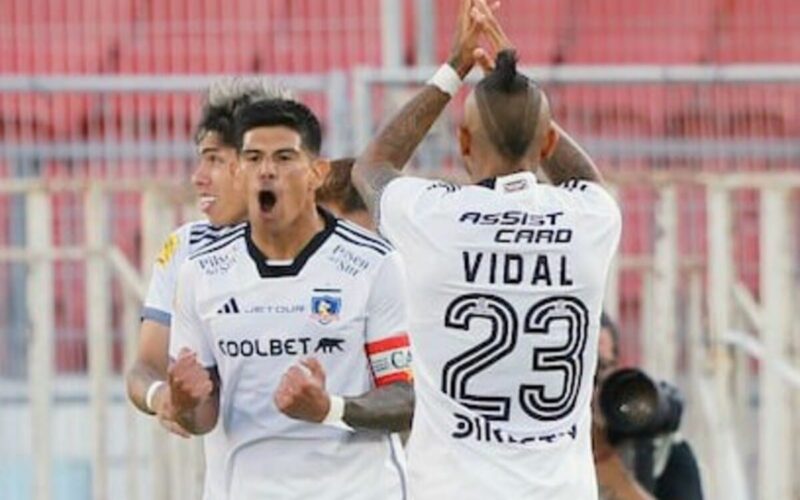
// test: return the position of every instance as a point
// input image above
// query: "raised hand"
(465, 39)
(484, 16)
(301, 392)
(189, 383)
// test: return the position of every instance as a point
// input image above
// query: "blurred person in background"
(221, 199)
(506, 279)
(340, 197)
(651, 461)
(292, 332)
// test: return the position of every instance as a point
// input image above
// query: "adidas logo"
(230, 307)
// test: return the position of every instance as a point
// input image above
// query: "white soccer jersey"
(506, 281)
(181, 243)
(342, 301)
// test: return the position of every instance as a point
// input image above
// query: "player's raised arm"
(391, 149)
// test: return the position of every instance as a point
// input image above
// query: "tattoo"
(389, 408)
(391, 149)
(569, 161)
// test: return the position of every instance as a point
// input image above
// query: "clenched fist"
(301, 392)
(162, 404)
(189, 382)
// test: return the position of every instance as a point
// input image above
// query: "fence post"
(152, 237)
(665, 269)
(98, 334)
(611, 302)
(40, 348)
(774, 453)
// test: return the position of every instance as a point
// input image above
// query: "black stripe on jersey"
(573, 184)
(265, 270)
(209, 232)
(220, 243)
(362, 243)
(366, 236)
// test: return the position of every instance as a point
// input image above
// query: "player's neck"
(491, 165)
(288, 240)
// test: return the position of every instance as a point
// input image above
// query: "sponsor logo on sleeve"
(168, 250)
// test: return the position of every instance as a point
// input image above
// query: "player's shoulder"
(583, 195)
(219, 255)
(362, 241)
(201, 234)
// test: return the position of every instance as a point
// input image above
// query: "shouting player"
(506, 280)
(223, 203)
(292, 331)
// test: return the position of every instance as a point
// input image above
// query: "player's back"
(506, 284)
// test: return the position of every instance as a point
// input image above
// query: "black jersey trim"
(265, 270)
(488, 183)
(360, 233)
(222, 242)
(361, 243)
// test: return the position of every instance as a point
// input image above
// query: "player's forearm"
(391, 149)
(615, 482)
(388, 408)
(570, 161)
(201, 419)
(139, 379)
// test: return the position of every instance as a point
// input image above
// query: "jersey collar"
(512, 183)
(265, 270)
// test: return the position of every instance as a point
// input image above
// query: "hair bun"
(505, 69)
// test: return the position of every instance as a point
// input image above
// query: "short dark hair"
(219, 120)
(280, 112)
(224, 97)
(341, 191)
(510, 106)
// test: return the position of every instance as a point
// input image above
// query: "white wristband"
(446, 79)
(151, 393)
(336, 414)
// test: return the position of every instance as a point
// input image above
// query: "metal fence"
(703, 162)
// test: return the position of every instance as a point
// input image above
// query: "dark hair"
(227, 95)
(217, 119)
(607, 323)
(338, 188)
(280, 112)
(510, 106)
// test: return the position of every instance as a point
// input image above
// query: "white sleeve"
(387, 342)
(598, 211)
(591, 198)
(161, 290)
(188, 328)
(405, 200)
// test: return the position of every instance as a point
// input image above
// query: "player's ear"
(320, 169)
(550, 143)
(464, 141)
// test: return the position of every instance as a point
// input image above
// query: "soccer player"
(505, 280)
(292, 331)
(222, 201)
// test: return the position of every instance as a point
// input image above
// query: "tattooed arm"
(391, 149)
(386, 155)
(569, 161)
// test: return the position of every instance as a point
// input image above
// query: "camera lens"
(629, 401)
